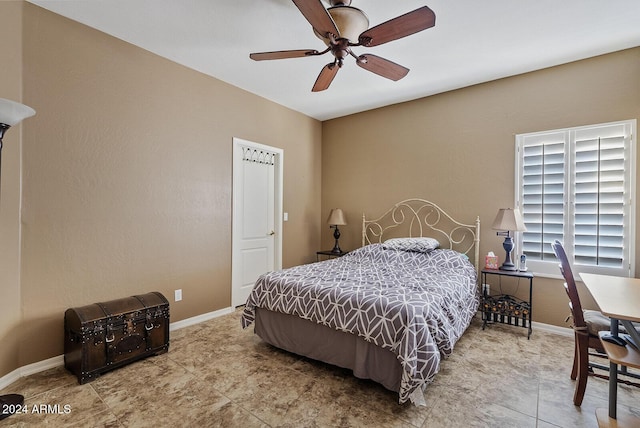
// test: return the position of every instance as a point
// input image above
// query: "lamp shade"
(336, 218)
(12, 113)
(508, 219)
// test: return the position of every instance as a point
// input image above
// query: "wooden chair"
(586, 324)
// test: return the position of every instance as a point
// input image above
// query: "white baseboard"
(9, 378)
(549, 328)
(58, 361)
(30, 369)
(199, 318)
(562, 331)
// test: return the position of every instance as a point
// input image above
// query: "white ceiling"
(473, 41)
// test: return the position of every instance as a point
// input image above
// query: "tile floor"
(218, 375)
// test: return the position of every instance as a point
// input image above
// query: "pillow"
(419, 245)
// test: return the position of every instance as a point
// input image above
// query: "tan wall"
(127, 178)
(10, 88)
(458, 149)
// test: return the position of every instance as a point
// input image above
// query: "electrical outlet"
(178, 295)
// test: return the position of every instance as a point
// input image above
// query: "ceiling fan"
(342, 27)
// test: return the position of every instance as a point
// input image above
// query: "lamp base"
(508, 247)
(10, 404)
(510, 267)
(336, 235)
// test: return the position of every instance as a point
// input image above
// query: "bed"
(389, 310)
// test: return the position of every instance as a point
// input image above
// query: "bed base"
(322, 343)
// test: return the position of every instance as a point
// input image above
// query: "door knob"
(272, 233)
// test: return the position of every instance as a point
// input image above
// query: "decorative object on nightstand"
(507, 221)
(336, 218)
(11, 113)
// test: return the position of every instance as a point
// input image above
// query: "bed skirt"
(322, 343)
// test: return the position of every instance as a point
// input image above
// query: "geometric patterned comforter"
(417, 305)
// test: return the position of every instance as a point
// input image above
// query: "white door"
(257, 207)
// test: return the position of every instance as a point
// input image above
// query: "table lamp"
(507, 221)
(336, 218)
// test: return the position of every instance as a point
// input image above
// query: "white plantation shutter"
(575, 185)
(542, 204)
(600, 196)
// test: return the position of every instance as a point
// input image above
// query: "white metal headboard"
(422, 218)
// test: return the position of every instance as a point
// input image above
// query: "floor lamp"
(11, 113)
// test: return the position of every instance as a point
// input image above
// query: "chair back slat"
(570, 285)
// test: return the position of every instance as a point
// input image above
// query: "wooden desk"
(619, 299)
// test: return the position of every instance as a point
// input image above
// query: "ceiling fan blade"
(261, 56)
(397, 28)
(317, 16)
(382, 67)
(325, 77)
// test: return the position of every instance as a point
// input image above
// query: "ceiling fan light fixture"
(350, 21)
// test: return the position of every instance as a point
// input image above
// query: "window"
(576, 185)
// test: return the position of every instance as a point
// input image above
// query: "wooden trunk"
(103, 336)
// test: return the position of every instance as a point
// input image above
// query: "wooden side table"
(504, 308)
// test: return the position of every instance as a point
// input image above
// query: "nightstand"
(330, 254)
(504, 308)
